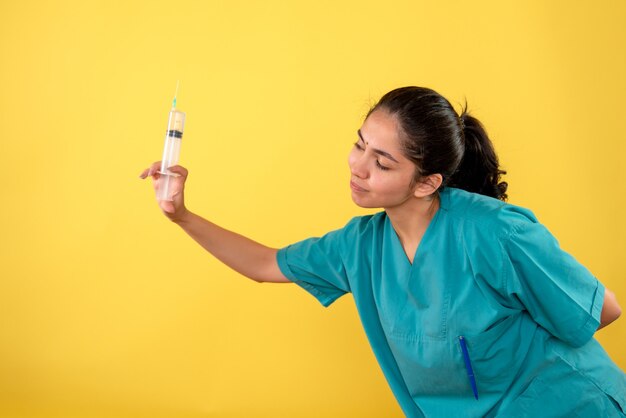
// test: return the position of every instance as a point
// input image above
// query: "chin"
(366, 206)
(364, 203)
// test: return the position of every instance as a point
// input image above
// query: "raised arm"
(253, 260)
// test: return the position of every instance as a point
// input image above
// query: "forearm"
(243, 255)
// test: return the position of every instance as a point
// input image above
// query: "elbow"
(618, 313)
(270, 276)
(610, 309)
(271, 279)
(614, 309)
(258, 277)
(609, 319)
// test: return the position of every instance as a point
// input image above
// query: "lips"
(356, 187)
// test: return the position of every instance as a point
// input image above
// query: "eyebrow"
(379, 151)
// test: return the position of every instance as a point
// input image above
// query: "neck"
(411, 219)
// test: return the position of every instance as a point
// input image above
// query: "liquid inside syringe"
(171, 151)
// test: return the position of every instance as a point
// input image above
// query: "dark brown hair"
(439, 141)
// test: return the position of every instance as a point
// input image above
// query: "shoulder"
(485, 214)
(488, 231)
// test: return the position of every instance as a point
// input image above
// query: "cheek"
(391, 184)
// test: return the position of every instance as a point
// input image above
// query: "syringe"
(171, 150)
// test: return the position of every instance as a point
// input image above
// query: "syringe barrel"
(171, 151)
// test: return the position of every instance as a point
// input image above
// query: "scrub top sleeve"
(559, 293)
(316, 265)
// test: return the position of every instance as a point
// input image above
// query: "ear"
(427, 185)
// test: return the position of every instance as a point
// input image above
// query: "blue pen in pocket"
(468, 366)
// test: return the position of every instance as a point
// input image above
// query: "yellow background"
(109, 310)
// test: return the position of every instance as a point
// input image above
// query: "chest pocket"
(413, 301)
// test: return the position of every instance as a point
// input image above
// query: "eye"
(358, 146)
(382, 167)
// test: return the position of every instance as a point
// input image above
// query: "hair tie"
(462, 122)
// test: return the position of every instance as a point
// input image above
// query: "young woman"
(469, 304)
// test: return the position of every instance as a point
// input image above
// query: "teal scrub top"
(485, 270)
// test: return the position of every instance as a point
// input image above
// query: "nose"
(358, 166)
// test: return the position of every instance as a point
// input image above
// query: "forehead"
(381, 130)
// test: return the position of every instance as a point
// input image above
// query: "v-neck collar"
(444, 198)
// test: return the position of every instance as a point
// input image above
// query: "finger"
(178, 169)
(154, 168)
(144, 173)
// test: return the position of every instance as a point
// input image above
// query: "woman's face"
(380, 174)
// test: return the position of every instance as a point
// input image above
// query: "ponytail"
(479, 170)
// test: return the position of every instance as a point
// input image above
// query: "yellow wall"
(108, 310)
